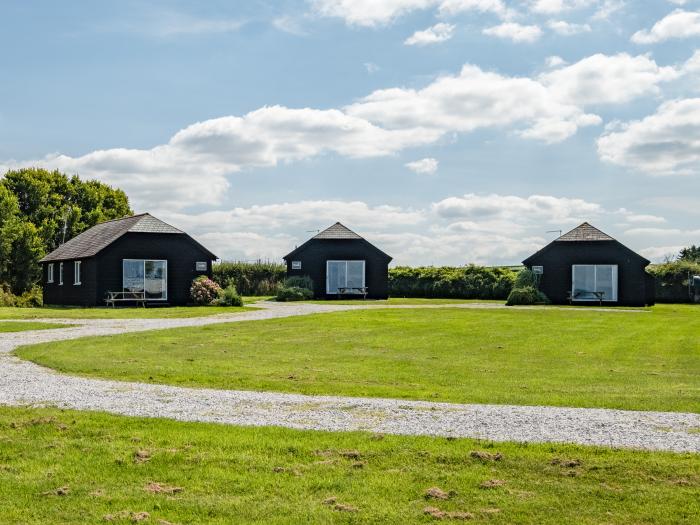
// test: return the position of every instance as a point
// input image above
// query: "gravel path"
(24, 383)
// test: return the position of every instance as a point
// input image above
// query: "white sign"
(201, 266)
(538, 270)
(296, 265)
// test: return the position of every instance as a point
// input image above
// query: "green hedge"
(463, 282)
(261, 278)
(672, 280)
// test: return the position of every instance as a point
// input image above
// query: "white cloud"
(665, 143)
(192, 167)
(497, 7)
(170, 23)
(677, 24)
(373, 13)
(471, 100)
(290, 24)
(489, 229)
(608, 8)
(661, 253)
(604, 79)
(515, 32)
(558, 6)
(371, 67)
(555, 61)
(433, 35)
(564, 28)
(427, 166)
(516, 212)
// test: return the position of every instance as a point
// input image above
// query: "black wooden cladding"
(316, 252)
(103, 272)
(635, 285)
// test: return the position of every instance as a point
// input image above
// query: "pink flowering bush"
(204, 291)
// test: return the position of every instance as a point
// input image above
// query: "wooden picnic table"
(353, 290)
(112, 298)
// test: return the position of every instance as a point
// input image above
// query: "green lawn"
(9, 326)
(74, 468)
(405, 300)
(639, 360)
(67, 312)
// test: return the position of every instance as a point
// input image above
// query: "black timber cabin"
(135, 254)
(341, 263)
(588, 267)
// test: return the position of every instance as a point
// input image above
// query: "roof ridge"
(121, 218)
(585, 232)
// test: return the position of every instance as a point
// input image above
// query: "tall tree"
(691, 253)
(60, 206)
(41, 209)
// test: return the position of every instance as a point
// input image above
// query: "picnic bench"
(353, 290)
(112, 298)
(583, 293)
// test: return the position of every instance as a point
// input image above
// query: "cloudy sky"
(445, 131)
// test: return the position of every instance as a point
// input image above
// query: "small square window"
(296, 265)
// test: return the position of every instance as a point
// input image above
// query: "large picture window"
(149, 276)
(594, 282)
(344, 274)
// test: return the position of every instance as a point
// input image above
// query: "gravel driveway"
(24, 383)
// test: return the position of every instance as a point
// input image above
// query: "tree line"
(41, 209)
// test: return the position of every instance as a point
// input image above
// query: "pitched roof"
(92, 241)
(585, 232)
(337, 231)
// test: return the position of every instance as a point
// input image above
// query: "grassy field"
(73, 468)
(67, 312)
(568, 357)
(9, 326)
(405, 300)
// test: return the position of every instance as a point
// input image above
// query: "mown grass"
(9, 326)
(567, 357)
(73, 468)
(404, 300)
(68, 312)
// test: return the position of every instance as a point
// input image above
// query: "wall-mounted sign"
(296, 265)
(538, 270)
(200, 266)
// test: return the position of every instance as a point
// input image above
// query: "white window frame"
(296, 265)
(49, 273)
(77, 267)
(144, 261)
(364, 273)
(595, 280)
(60, 274)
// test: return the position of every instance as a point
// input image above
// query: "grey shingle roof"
(337, 231)
(92, 241)
(585, 232)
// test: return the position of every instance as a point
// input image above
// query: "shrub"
(294, 293)
(261, 278)
(229, 297)
(204, 291)
(526, 295)
(673, 280)
(464, 282)
(524, 278)
(299, 282)
(30, 299)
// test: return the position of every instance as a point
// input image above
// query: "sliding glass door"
(149, 276)
(344, 274)
(594, 282)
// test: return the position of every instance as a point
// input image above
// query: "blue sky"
(445, 131)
